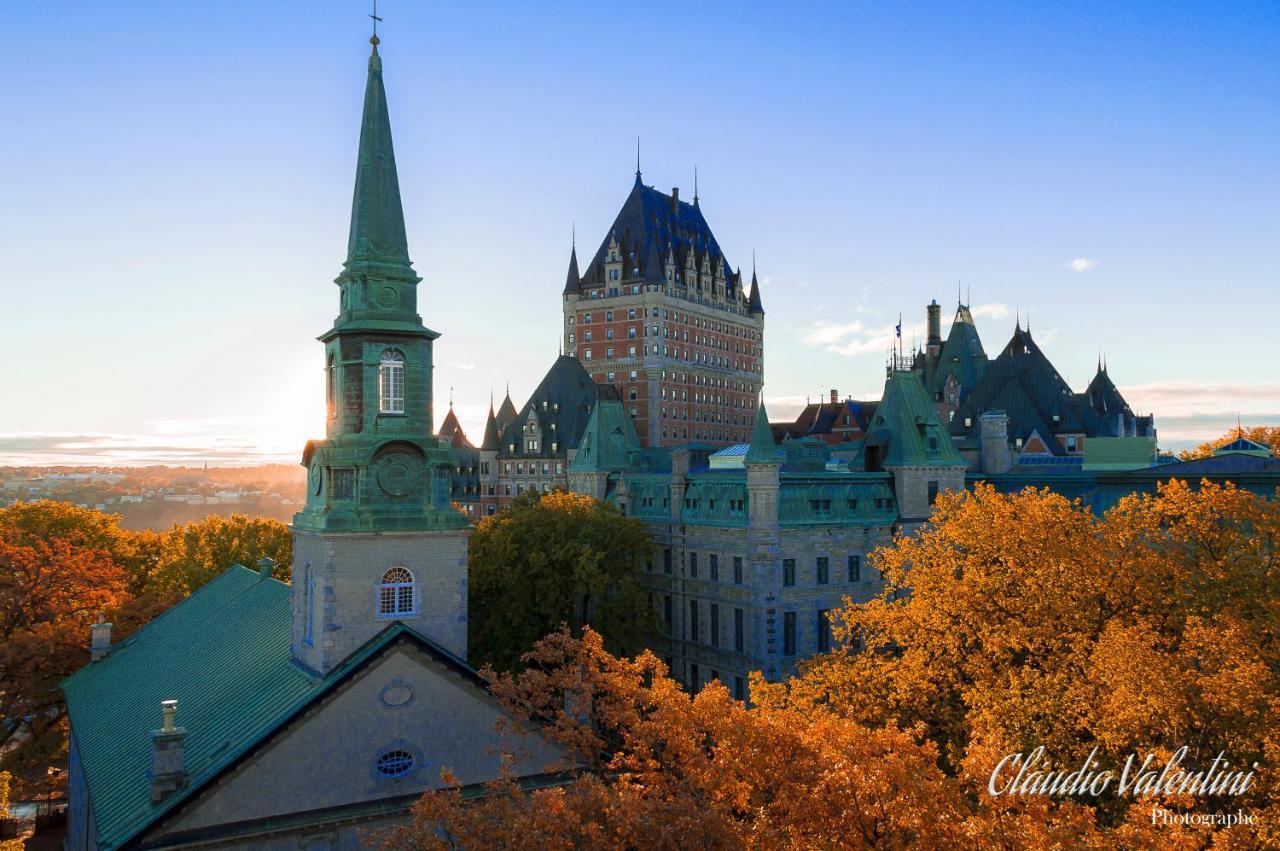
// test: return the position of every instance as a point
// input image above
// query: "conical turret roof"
(763, 450)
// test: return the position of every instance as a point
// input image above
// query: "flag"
(897, 331)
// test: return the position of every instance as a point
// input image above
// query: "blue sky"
(178, 176)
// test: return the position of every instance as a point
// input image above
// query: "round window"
(395, 763)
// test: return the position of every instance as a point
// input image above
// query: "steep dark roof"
(1024, 384)
(651, 226)
(1104, 397)
(754, 304)
(561, 405)
(506, 413)
(451, 431)
(491, 440)
(573, 278)
(962, 355)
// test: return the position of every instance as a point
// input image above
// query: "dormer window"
(391, 383)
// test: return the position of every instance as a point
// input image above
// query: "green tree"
(194, 553)
(550, 560)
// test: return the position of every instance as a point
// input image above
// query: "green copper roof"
(763, 450)
(224, 654)
(609, 441)
(907, 429)
(1119, 453)
(377, 236)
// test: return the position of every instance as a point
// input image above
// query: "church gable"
(382, 735)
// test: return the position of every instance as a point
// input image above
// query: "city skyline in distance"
(1119, 195)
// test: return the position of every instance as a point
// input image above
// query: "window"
(789, 633)
(693, 563)
(309, 592)
(824, 631)
(666, 562)
(331, 391)
(395, 763)
(666, 611)
(395, 593)
(693, 620)
(713, 564)
(342, 483)
(715, 625)
(855, 568)
(739, 689)
(788, 572)
(391, 383)
(738, 639)
(693, 677)
(824, 570)
(933, 492)
(737, 570)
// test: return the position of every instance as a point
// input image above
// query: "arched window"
(395, 593)
(391, 383)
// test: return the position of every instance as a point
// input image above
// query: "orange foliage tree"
(62, 565)
(1268, 436)
(1008, 622)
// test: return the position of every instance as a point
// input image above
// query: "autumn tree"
(660, 768)
(552, 559)
(1008, 622)
(1268, 436)
(1025, 620)
(192, 554)
(50, 592)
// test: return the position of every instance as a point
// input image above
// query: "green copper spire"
(763, 450)
(380, 467)
(377, 243)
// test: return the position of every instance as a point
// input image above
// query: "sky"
(177, 181)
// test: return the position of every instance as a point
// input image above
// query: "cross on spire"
(376, 21)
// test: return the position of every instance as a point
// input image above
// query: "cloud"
(856, 337)
(1082, 264)
(465, 366)
(994, 310)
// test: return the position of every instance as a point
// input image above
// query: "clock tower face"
(399, 473)
(314, 479)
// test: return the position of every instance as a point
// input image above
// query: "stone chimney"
(167, 774)
(835, 397)
(993, 431)
(675, 197)
(99, 639)
(266, 567)
(934, 315)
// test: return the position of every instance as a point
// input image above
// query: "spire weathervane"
(695, 186)
(637, 159)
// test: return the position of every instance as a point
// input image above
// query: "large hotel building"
(659, 314)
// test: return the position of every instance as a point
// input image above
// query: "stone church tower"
(378, 540)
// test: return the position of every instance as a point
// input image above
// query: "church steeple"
(378, 509)
(377, 242)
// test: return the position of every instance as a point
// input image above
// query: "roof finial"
(959, 303)
(1239, 427)
(573, 236)
(695, 185)
(374, 40)
(451, 397)
(637, 159)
